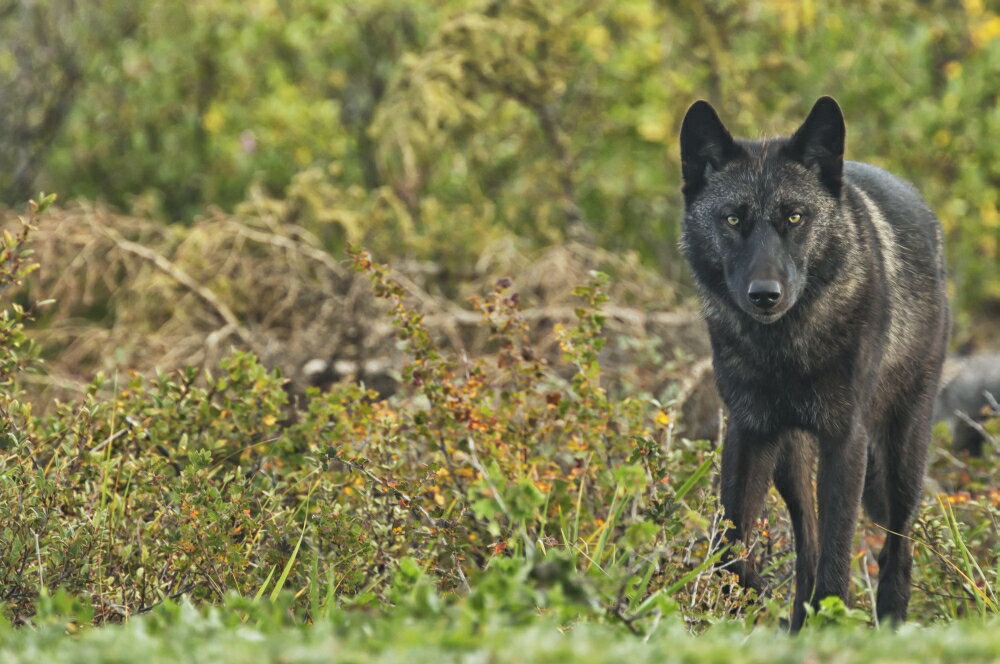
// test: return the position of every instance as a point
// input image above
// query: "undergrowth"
(493, 484)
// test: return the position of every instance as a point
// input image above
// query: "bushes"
(204, 483)
(500, 481)
(443, 126)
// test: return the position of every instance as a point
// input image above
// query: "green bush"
(440, 125)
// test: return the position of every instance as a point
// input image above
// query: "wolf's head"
(757, 213)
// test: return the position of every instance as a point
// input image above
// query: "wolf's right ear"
(705, 142)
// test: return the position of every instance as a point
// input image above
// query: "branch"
(691, 382)
(318, 255)
(180, 276)
(635, 317)
(976, 426)
(409, 502)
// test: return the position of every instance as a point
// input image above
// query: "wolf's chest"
(795, 388)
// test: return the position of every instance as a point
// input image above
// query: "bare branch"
(183, 278)
(975, 425)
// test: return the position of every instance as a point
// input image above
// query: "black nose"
(764, 294)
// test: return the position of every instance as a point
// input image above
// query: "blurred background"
(214, 159)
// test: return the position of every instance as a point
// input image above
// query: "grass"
(250, 632)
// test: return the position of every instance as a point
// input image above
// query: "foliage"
(494, 503)
(417, 128)
(43, 70)
(497, 480)
(249, 632)
(205, 483)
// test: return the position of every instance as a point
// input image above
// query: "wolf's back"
(916, 230)
(907, 246)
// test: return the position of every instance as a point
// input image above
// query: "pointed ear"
(819, 143)
(705, 142)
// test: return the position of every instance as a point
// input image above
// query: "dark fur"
(968, 385)
(844, 367)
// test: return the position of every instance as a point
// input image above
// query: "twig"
(929, 591)
(722, 429)
(412, 505)
(41, 570)
(863, 562)
(150, 607)
(183, 278)
(461, 573)
(282, 242)
(431, 521)
(486, 478)
(652, 628)
(617, 613)
(975, 425)
(691, 381)
(110, 439)
(991, 400)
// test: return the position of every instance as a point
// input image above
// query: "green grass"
(247, 632)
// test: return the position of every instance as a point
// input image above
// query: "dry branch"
(165, 296)
(183, 278)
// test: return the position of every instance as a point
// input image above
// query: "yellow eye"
(732, 220)
(794, 218)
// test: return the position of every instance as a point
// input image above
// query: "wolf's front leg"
(843, 457)
(748, 461)
(793, 479)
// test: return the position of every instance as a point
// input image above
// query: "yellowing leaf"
(213, 120)
(986, 31)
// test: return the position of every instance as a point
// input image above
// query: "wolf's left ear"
(819, 143)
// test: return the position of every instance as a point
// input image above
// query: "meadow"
(358, 331)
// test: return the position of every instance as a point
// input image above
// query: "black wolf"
(822, 283)
(969, 385)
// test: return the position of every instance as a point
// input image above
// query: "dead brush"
(134, 294)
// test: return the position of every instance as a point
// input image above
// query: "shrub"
(446, 125)
(203, 483)
(494, 479)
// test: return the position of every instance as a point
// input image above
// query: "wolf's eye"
(732, 220)
(794, 218)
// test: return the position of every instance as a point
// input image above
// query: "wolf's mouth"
(767, 317)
